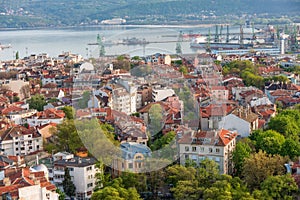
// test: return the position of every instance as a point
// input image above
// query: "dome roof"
(39, 168)
(86, 66)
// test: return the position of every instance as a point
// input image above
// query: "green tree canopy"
(69, 112)
(241, 151)
(37, 102)
(68, 185)
(259, 166)
(279, 187)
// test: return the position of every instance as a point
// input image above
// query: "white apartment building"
(82, 172)
(214, 145)
(20, 140)
(160, 93)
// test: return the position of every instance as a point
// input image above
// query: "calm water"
(76, 40)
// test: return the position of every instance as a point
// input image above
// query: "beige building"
(214, 145)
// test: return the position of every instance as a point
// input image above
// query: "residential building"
(242, 120)
(132, 158)
(216, 145)
(50, 115)
(21, 183)
(19, 140)
(82, 172)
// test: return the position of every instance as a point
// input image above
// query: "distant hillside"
(28, 13)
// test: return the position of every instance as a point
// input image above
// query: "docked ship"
(114, 21)
(219, 45)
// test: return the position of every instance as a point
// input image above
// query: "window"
(89, 168)
(130, 165)
(201, 149)
(194, 149)
(217, 150)
(186, 156)
(22, 148)
(210, 150)
(71, 169)
(17, 149)
(17, 143)
(187, 148)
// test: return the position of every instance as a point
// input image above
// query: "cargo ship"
(218, 45)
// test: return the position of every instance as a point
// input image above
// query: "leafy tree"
(102, 179)
(241, 151)
(62, 195)
(37, 102)
(227, 188)
(290, 148)
(69, 112)
(270, 141)
(280, 187)
(163, 141)
(187, 189)
(83, 102)
(134, 180)
(68, 185)
(207, 173)
(67, 138)
(178, 173)
(17, 55)
(156, 116)
(115, 190)
(259, 166)
(183, 69)
(287, 123)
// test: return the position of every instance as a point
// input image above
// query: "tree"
(183, 69)
(37, 102)
(83, 102)
(290, 148)
(163, 141)
(280, 187)
(115, 190)
(156, 116)
(134, 180)
(68, 185)
(17, 55)
(241, 151)
(287, 123)
(270, 141)
(260, 165)
(66, 137)
(62, 195)
(69, 112)
(207, 173)
(178, 173)
(187, 189)
(228, 188)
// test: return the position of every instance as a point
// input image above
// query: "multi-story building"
(19, 140)
(216, 145)
(21, 183)
(132, 159)
(82, 172)
(50, 115)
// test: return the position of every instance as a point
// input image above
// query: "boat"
(114, 21)
(215, 45)
(3, 46)
(133, 41)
